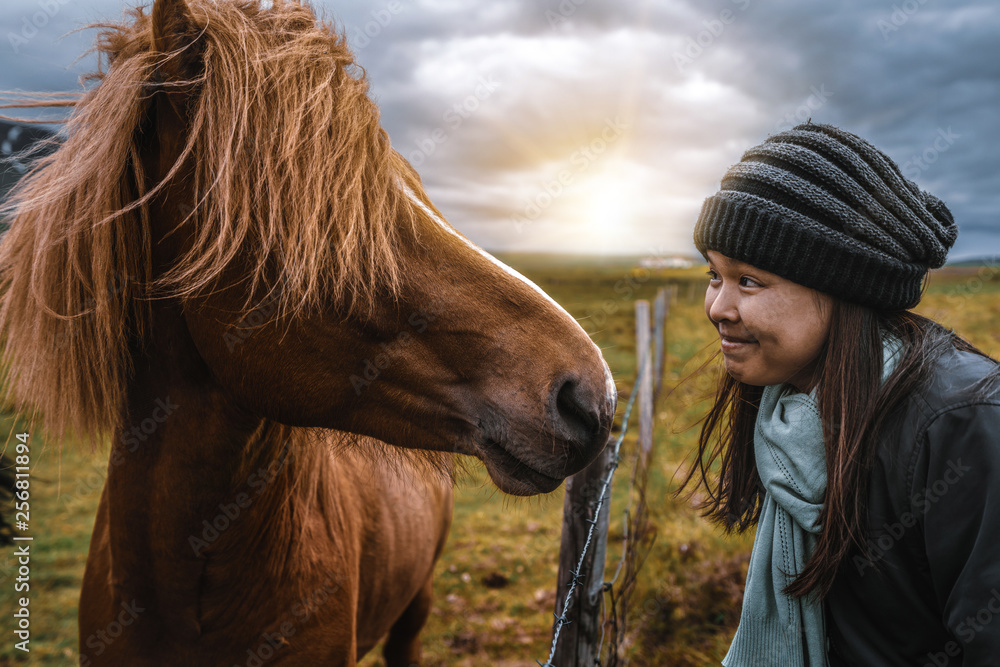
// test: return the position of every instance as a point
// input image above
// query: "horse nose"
(582, 414)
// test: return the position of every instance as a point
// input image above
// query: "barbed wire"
(577, 575)
(637, 539)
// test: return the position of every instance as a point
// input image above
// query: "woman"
(862, 440)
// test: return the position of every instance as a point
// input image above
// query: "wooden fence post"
(659, 320)
(644, 374)
(580, 639)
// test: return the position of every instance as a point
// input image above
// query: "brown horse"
(227, 268)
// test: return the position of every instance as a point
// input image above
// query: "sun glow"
(599, 210)
(608, 205)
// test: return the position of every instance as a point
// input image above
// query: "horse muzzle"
(527, 458)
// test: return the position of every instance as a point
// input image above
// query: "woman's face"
(771, 330)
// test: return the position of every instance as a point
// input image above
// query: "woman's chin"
(740, 372)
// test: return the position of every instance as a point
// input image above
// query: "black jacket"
(933, 596)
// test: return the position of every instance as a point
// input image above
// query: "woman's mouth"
(731, 344)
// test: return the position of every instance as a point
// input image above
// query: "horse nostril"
(577, 413)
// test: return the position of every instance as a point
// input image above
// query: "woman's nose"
(723, 304)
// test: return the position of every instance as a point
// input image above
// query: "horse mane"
(293, 180)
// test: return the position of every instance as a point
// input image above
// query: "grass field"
(496, 580)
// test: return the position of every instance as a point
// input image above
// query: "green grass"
(687, 601)
(63, 494)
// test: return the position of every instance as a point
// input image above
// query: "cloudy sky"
(599, 126)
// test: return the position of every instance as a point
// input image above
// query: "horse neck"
(181, 458)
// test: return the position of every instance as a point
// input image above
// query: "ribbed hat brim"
(782, 242)
(826, 209)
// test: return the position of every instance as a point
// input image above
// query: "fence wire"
(577, 575)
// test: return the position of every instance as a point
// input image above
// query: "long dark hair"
(854, 407)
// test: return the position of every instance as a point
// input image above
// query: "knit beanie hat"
(826, 209)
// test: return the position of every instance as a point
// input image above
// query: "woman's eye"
(712, 275)
(747, 281)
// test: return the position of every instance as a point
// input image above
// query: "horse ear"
(175, 34)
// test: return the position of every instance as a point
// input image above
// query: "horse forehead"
(507, 269)
(611, 390)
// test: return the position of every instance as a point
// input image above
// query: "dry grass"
(496, 580)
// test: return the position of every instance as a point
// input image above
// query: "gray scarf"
(777, 630)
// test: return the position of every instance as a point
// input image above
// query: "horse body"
(228, 539)
(325, 595)
(227, 268)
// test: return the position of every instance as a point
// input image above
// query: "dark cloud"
(900, 74)
(694, 82)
